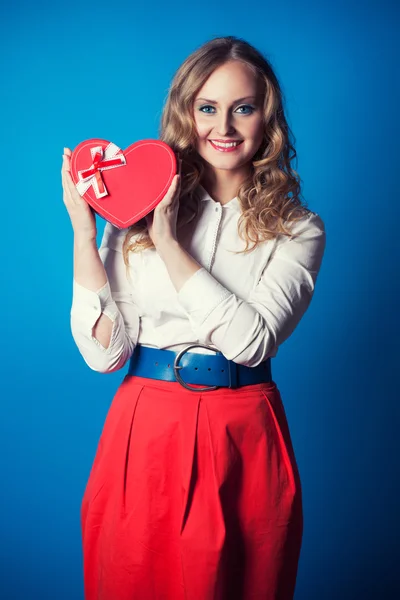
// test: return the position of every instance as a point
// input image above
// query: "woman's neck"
(223, 184)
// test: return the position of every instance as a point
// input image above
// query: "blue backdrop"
(75, 71)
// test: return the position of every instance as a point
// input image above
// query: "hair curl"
(270, 196)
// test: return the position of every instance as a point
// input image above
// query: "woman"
(194, 492)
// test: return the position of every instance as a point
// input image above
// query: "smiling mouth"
(231, 144)
(225, 146)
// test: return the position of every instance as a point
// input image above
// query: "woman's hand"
(82, 215)
(161, 222)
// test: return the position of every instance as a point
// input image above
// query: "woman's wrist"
(180, 265)
(166, 245)
(84, 239)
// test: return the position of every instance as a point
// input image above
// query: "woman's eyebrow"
(234, 102)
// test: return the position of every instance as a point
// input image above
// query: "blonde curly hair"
(271, 194)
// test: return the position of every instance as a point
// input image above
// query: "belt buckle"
(177, 367)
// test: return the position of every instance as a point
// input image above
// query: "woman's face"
(228, 108)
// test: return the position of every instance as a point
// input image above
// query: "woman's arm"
(90, 273)
(104, 319)
(180, 265)
(245, 331)
(249, 331)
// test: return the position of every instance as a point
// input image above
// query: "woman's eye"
(246, 107)
(208, 106)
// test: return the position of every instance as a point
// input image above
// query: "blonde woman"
(194, 492)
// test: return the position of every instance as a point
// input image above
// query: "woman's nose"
(225, 124)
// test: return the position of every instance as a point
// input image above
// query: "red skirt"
(192, 496)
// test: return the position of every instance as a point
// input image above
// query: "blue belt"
(199, 369)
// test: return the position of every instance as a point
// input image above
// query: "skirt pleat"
(192, 496)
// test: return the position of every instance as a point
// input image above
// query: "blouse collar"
(204, 195)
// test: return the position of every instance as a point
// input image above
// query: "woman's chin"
(224, 164)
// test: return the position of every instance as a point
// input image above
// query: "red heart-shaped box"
(133, 189)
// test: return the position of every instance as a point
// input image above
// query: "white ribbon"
(111, 151)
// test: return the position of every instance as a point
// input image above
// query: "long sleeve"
(250, 331)
(115, 300)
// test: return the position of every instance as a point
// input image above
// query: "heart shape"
(132, 189)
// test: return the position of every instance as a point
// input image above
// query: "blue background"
(75, 71)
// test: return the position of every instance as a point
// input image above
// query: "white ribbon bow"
(93, 176)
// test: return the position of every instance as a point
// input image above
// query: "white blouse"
(244, 305)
